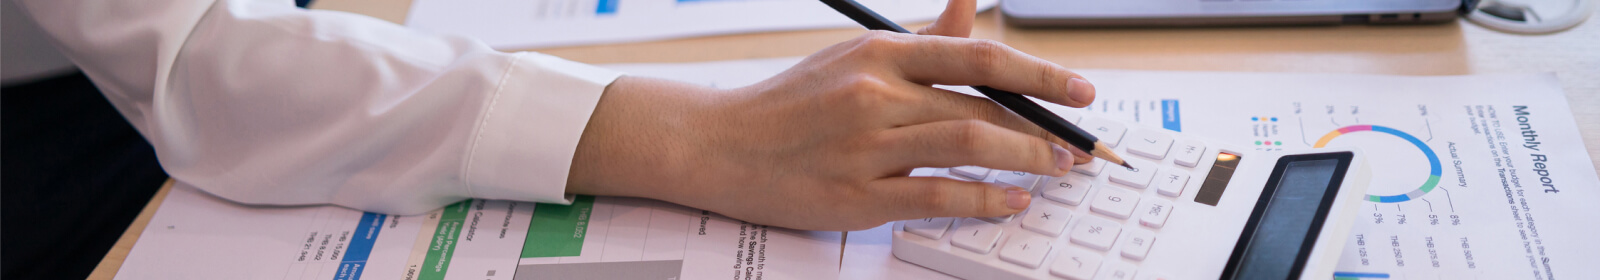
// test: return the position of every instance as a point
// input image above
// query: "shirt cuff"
(524, 146)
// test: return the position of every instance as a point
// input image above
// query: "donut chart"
(1434, 161)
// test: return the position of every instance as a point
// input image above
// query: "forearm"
(262, 102)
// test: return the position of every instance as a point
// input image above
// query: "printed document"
(198, 236)
(523, 24)
(1474, 177)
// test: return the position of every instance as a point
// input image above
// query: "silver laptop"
(1226, 12)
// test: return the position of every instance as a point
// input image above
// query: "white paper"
(522, 24)
(1488, 216)
(198, 236)
(867, 256)
(1512, 230)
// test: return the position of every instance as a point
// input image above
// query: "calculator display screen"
(1283, 228)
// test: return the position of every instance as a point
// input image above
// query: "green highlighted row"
(444, 244)
(558, 230)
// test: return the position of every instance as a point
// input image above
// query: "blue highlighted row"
(1341, 275)
(360, 246)
(606, 7)
(1170, 114)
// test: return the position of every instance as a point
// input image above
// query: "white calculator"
(1189, 209)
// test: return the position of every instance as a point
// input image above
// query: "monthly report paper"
(522, 24)
(1474, 177)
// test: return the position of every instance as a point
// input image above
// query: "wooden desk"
(1448, 49)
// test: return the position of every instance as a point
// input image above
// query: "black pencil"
(1012, 101)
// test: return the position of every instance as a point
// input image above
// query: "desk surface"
(1447, 49)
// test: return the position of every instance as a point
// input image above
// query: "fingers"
(970, 142)
(943, 105)
(961, 61)
(921, 197)
(1079, 156)
(956, 21)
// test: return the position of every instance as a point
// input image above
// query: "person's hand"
(828, 144)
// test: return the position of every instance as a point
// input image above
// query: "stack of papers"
(1506, 192)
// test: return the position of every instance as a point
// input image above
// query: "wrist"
(642, 140)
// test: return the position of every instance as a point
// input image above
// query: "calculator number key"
(1017, 178)
(1138, 177)
(970, 172)
(1149, 143)
(1068, 114)
(1110, 132)
(1115, 202)
(1093, 168)
(933, 228)
(1068, 189)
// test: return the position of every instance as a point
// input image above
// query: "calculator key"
(1137, 177)
(1068, 189)
(1147, 275)
(1115, 202)
(1117, 271)
(946, 173)
(1170, 182)
(1047, 218)
(971, 172)
(1076, 264)
(1068, 114)
(1137, 244)
(977, 236)
(1027, 251)
(1188, 153)
(1110, 132)
(1093, 168)
(933, 228)
(1154, 212)
(1095, 232)
(1149, 143)
(1000, 219)
(1017, 178)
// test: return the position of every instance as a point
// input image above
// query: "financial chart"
(1454, 194)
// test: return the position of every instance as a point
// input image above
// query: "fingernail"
(1017, 198)
(1064, 159)
(1080, 90)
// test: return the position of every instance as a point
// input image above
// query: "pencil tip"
(1125, 165)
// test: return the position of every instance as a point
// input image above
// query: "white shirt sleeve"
(262, 102)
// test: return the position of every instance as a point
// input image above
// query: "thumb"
(956, 21)
(922, 197)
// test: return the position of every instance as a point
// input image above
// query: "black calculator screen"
(1283, 228)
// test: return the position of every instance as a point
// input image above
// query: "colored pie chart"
(1434, 161)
